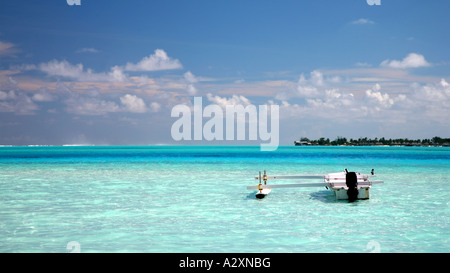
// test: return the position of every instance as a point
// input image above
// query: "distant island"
(342, 141)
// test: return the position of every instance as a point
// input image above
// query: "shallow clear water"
(194, 199)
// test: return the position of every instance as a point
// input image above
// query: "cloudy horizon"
(109, 74)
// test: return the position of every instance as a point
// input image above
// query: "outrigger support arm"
(293, 177)
(298, 185)
(274, 186)
(326, 182)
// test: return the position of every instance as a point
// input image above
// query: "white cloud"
(289, 110)
(7, 48)
(63, 68)
(155, 107)
(89, 103)
(191, 89)
(333, 105)
(316, 79)
(90, 106)
(413, 60)
(157, 61)
(133, 103)
(116, 75)
(191, 79)
(363, 64)
(311, 87)
(430, 101)
(87, 50)
(77, 72)
(223, 101)
(375, 95)
(7, 95)
(17, 102)
(42, 95)
(333, 99)
(362, 21)
(307, 91)
(420, 104)
(438, 94)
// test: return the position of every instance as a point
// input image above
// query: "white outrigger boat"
(345, 185)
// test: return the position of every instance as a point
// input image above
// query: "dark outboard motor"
(352, 183)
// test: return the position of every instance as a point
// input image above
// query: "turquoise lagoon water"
(194, 199)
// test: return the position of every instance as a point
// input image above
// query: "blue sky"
(109, 72)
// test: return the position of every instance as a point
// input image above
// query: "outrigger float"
(345, 185)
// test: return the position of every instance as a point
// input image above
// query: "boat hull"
(339, 184)
(262, 193)
(341, 193)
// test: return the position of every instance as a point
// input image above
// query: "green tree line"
(435, 141)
